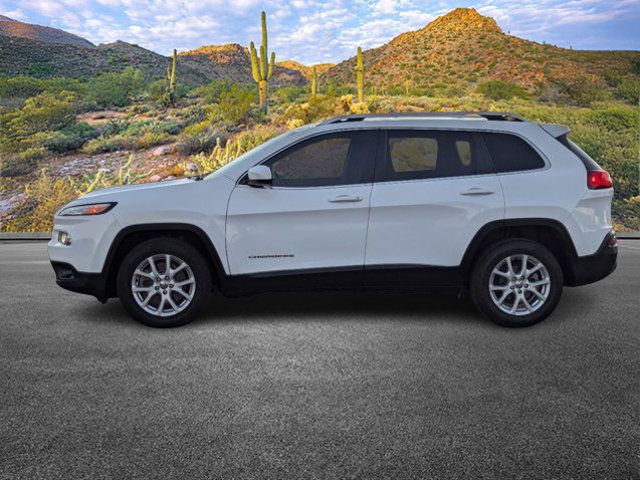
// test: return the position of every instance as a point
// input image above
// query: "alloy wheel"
(163, 285)
(519, 284)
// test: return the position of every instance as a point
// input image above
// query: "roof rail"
(500, 116)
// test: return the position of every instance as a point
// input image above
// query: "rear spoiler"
(555, 130)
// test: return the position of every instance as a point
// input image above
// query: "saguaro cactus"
(360, 75)
(314, 81)
(171, 78)
(261, 68)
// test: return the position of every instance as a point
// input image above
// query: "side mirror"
(259, 176)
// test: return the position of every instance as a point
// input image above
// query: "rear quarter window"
(511, 153)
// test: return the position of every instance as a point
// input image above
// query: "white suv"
(486, 203)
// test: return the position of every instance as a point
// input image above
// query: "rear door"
(315, 215)
(433, 191)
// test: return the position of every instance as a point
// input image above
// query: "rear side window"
(421, 154)
(334, 159)
(510, 153)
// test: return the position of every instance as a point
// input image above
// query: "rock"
(161, 150)
(169, 178)
(155, 178)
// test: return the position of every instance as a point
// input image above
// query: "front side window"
(333, 159)
(421, 154)
(510, 153)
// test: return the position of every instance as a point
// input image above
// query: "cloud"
(16, 14)
(313, 30)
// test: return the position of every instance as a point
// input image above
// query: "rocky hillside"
(463, 48)
(30, 57)
(304, 69)
(48, 52)
(232, 61)
(13, 28)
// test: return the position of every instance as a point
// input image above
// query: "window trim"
(241, 182)
(382, 159)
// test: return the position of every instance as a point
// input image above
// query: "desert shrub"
(70, 138)
(235, 105)
(629, 90)
(156, 91)
(11, 165)
(202, 137)
(291, 93)
(581, 90)
(232, 149)
(210, 92)
(22, 131)
(628, 212)
(128, 135)
(43, 112)
(105, 178)
(42, 199)
(499, 90)
(115, 89)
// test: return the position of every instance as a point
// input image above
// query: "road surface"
(317, 385)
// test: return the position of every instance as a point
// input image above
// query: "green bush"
(210, 93)
(22, 130)
(22, 86)
(582, 90)
(70, 138)
(499, 90)
(115, 89)
(629, 90)
(127, 135)
(12, 165)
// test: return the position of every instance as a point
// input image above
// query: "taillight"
(597, 179)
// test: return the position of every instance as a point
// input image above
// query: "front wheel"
(517, 283)
(163, 282)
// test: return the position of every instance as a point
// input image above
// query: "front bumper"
(589, 269)
(81, 282)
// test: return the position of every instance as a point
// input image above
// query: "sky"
(313, 31)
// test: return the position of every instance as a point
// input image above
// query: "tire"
(171, 302)
(494, 291)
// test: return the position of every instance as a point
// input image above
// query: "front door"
(314, 216)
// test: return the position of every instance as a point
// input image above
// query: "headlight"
(89, 209)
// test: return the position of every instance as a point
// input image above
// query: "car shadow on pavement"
(339, 306)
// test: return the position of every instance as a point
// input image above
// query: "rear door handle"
(346, 198)
(477, 191)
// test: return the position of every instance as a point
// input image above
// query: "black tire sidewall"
(479, 282)
(171, 246)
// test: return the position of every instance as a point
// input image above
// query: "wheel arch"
(550, 233)
(132, 235)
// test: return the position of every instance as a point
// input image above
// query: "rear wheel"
(163, 282)
(516, 283)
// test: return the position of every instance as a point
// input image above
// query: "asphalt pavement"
(327, 385)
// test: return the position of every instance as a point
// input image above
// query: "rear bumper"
(88, 283)
(589, 269)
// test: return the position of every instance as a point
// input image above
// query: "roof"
(485, 116)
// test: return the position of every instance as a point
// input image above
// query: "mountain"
(304, 69)
(13, 28)
(31, 57)
(30, 49)
(232, 61)
(463, 48)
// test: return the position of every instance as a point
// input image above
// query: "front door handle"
(346, 198)
(477, 191)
